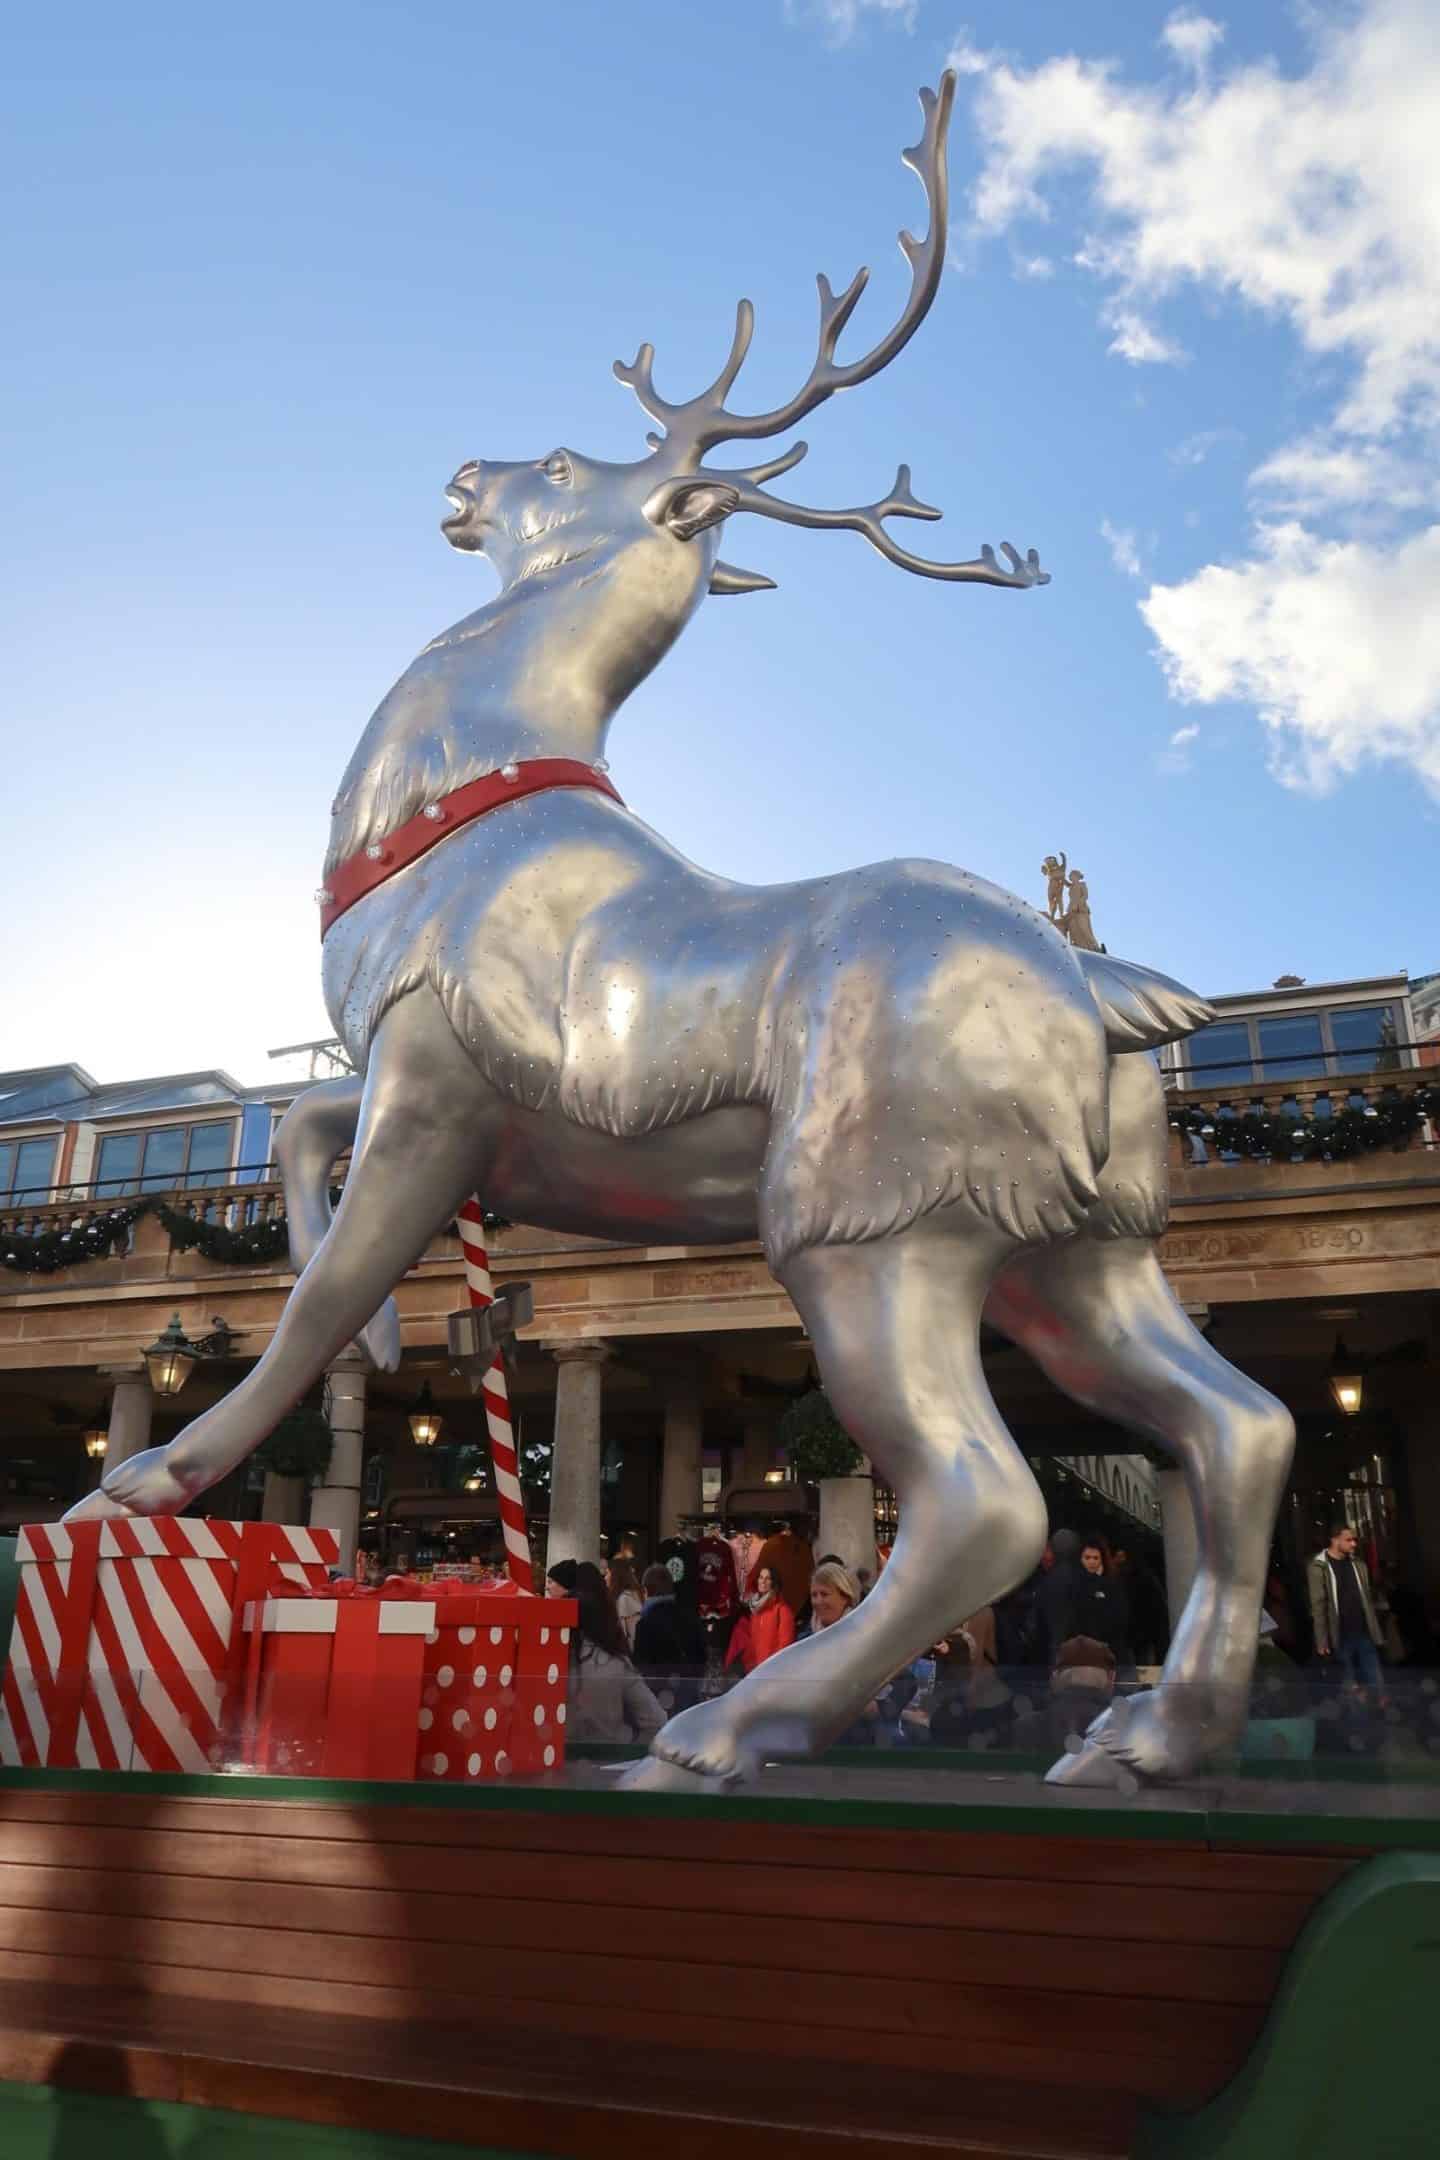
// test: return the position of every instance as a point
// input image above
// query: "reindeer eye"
(558, 469)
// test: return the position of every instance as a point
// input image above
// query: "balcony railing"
(1305, 1120)
(242, 1201)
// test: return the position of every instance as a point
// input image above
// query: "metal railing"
(247, 1195)
(1403, 1107)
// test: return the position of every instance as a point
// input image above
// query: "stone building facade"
(652, 1379)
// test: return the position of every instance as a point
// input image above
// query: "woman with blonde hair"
(833, 1593)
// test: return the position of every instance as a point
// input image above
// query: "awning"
(443, 1507)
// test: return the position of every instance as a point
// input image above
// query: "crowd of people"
(1026, 1672)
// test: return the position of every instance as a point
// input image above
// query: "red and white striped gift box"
(126, 1651)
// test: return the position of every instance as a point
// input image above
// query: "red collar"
(360, 874)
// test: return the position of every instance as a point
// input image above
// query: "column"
(132, 1404)
(335, 1504)
(680, 1488)
(847, 1522)
(1182, 1548)
(575, 1463)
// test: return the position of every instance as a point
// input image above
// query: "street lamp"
(172, 1356)
(425, 1419)
(1347, 1380)
(97, 1440)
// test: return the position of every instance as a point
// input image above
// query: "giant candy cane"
(497, 1404)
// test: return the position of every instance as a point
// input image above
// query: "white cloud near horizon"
(1312, 199)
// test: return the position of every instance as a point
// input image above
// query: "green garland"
(1260, 1135)
(53, 1250)
(252, 1245)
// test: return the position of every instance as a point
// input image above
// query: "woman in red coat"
(768, 1626)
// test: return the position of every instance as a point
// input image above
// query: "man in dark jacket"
(1343, 1611)
(669, 1645)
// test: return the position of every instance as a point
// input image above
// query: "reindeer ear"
(688, 505)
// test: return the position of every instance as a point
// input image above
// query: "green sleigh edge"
(1346, 2061)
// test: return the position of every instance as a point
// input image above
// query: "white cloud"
(841, 19)
(1138, 341)
(1176, 758)
(1034, 266)
(1314, 197)
(1124, 551)
(1192, 38)
(965, 58)
(1320, 473)
(1336, 642)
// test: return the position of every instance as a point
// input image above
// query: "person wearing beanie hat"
(560, 1579)
(1081, 1686)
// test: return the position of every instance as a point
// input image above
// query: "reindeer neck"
(533, 674)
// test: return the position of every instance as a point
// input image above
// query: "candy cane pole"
(497, 1404)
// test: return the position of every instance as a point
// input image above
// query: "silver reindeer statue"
(924, 1103)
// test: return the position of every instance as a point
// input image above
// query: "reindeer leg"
(1100, 1318)
(319, 1126)
(895, 1326)
(420, 1142)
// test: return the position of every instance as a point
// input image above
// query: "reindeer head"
(564, 508)
(662, 514)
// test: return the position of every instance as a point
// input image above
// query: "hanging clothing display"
(718, 1593)
(746, 1547)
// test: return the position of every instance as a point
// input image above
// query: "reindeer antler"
(703, 421)
(870, 520)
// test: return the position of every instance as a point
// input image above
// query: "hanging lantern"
(97, 1440)
(170, 1359)
(425, 1419)
(1347, 1380)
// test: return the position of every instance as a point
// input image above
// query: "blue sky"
(271, 276)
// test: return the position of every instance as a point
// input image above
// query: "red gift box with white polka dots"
(493, 1696)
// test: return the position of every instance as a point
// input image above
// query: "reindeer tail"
(1141, 1009)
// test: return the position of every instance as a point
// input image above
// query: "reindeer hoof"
(654, 1774)
(1087, 1763)
(145, 1485)
(97, 1506)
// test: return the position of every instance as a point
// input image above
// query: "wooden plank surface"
(780, 1960)
(1262, 1919)
(536, 2097)
(702, 1939)
(929, 1852)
